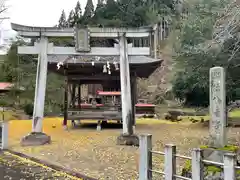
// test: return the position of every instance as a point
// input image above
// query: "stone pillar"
(40, 88)
(37, 137)
(125, 87)
(217, 107)
(127, 137)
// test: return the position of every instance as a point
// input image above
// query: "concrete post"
(145, 164)
(40, 88)
(229, 166)
(170, 162)
(197, 164)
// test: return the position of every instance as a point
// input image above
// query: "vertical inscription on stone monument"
(217, 107)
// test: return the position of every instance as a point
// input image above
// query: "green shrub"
(28, 109)
(3, 102)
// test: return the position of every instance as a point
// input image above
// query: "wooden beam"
(31, 31)
(97, 77)
(95, 51)
(86, 81)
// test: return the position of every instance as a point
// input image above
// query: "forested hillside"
(200, 37)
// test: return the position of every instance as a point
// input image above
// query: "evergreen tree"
(89, 11)
(77, 13)
(62, 23)
(100, 2)
(71, 19)
(133, 13)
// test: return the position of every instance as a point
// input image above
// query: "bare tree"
(3, 9)
(3, 6)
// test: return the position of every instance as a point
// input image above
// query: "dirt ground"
(95, 153)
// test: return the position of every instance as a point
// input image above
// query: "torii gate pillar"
(37, 137)
(127, 137)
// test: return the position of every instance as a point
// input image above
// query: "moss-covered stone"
(212, 168)
(231, 148)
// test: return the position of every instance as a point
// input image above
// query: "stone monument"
(217, 147)
(217, 95)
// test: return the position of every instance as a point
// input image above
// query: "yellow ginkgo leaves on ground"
(95, 153)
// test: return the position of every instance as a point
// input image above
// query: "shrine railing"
(170, 156)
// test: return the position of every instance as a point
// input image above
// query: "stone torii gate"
(82, 36)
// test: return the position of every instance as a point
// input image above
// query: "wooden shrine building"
(84, 70)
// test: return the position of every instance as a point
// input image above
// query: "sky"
(40, 12)
(35, 13)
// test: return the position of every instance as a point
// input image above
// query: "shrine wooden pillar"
(65, 109)
(134, 98)
(79, 95)
(73, 94)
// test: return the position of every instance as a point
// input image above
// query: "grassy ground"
(235, 113)
(95, 153)
(6, 115)
(232, 114)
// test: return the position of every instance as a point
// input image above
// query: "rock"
(176, 113)
(167, 116)
(179, 119)
(35, 139)
(213, 155)
(128, 140)
(173, 115)
(211, 172)
(193, 120)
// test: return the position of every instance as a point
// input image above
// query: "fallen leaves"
(95, 153)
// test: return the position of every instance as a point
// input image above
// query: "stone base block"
(128, 140)
(35, 139)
